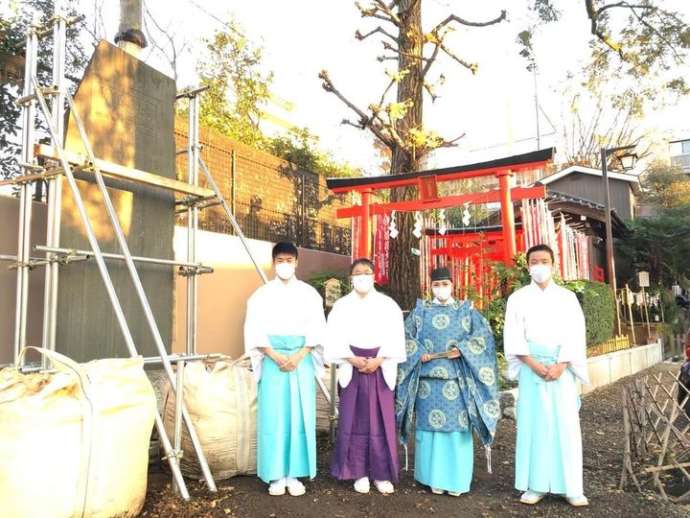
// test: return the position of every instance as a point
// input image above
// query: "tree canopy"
(13, 44)
(660, 243)
(238, 95)
(636, 40)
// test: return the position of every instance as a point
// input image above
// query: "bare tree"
(646, 40)
(174, 44)
(586, 131)
(396, 118)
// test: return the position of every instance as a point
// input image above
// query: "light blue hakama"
(444, 460)
(286, 422)
(548, 451)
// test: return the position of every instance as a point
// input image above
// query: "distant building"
(679, 151)
(586, 183)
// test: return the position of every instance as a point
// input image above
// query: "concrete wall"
(9, 219)
(611, 367)
(223, 294)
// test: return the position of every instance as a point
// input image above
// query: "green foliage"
(666, 186)
(300, 147)
(598, 306)
(674, 317)
(660, 245)
(510, 278)
(232, 65)
(13, 25)
(239, 91)
(638, 40)
(318, 281)
(595, 298)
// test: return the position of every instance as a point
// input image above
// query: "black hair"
(284, 247)
(541, 248)
(361, 260)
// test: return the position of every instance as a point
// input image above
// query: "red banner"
(381, 249)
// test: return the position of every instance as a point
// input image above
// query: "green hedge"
(597, 304)
(599, 308)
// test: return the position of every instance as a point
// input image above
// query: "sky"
(494, 109)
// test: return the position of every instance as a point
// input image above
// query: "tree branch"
(659, 35)
(365, 120)
(432, 59)
(467, 23)
(375, 11)
(453, 142)
(378, 29)
(472, 67)
(388, 11)
(430, 91)
(383, 95)
(594, 15)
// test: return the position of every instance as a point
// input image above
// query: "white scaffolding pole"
(107, 281)
(192, 220)
(25, 198)
(54, 189)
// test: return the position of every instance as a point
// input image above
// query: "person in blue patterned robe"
(447, 387)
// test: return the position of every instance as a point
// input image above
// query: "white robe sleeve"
(574, 347)
(255, 336)
(315, 334)
(393, 350)
(336, 348)
(514, 340)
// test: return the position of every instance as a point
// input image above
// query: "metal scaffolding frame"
(88, 166)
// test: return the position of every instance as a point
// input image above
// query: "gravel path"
(491, 495)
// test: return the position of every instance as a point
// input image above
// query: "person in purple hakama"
(366, 339)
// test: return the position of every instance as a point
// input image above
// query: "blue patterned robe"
(459, 395)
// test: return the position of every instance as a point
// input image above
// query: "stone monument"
(128, 110)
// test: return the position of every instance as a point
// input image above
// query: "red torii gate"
(470, 254)
(427, 187)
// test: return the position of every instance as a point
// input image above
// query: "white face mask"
(363, 283)
(442, 293)
(540, 272)
(285, 270)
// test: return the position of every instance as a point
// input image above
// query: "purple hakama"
(366, 443)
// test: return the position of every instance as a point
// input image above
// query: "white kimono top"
(366, 322)
(552, 316)
(278, 308)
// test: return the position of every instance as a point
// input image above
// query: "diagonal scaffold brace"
(236, 227)
(171, 455)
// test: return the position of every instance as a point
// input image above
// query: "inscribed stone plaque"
(128, 111)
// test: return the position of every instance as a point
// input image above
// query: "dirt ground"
(491, 495)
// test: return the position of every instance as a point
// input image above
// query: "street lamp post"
(628, 162)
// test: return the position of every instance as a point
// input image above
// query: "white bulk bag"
(74, 442)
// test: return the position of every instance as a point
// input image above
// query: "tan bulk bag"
(74, 442)
(221, 399)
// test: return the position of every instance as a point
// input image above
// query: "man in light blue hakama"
(545, 345)
(284, 328)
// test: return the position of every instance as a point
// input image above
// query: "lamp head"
(628, 160)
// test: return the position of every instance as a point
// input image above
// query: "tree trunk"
(404, 265)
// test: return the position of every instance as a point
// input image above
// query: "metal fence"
(270, 225)
(617, 343)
